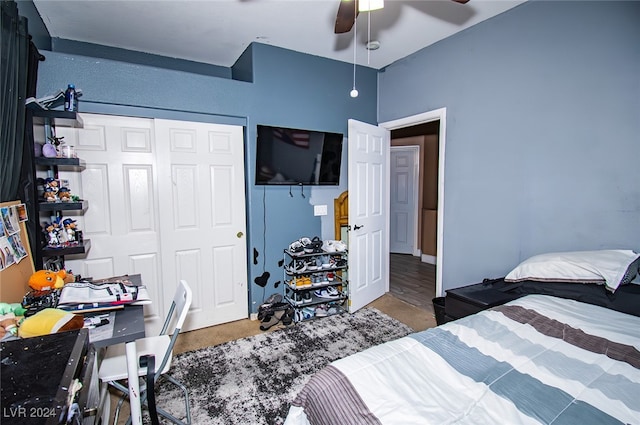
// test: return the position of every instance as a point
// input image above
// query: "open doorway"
(415, 278)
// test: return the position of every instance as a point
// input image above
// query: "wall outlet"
(319, 210)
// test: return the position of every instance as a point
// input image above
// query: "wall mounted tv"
(289, 156)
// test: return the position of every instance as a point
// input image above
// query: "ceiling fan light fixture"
(373, 45)
(368, 5)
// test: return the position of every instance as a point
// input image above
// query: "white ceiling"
(218, 31)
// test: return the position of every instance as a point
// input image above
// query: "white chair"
(114, 366)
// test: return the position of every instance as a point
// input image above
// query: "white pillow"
(612, 267)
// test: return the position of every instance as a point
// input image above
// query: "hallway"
(412, 281)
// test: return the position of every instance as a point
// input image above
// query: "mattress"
(535, 360)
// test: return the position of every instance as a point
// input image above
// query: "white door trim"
(415, 149)
(437, 114)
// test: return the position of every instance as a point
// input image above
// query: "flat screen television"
(289, 156)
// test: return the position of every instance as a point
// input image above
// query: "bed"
(539, 359)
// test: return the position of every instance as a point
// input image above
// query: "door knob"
(356, 227)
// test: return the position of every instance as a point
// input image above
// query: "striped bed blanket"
(535, 360)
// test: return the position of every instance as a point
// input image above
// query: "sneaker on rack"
(303, 281)
(296, 248)
(329, 292)
(306, 297)
(321, 311)
(339, 246)
(321, 279)
(327, 246)
(296, 297)
(317, 245)
(307, 245)
(296, 266)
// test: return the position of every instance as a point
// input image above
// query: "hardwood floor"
(412, 281)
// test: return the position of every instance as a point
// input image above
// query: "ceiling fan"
(349, 9)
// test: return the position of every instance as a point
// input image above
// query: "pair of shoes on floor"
(271, 304)
(285, 315)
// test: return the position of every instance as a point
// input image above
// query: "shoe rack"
(316, 283)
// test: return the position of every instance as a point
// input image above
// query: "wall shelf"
(47, 121)
(81, 248)
(64, 206)
(59, 118)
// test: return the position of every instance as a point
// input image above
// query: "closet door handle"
(356, 227)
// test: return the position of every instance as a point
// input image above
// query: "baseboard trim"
(429, 259)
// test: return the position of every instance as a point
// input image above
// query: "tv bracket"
(301, 190)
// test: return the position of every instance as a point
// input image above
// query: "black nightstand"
(461, 302)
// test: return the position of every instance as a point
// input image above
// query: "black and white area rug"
(252, 381)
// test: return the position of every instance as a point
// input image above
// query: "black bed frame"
(461, 302)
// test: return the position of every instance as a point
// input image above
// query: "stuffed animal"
(49, 321)
(46, 280)
(15, 308)
(8, 325)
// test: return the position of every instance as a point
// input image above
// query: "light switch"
(319, 210)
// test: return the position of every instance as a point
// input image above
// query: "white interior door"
(119, 186)
(403, 193)
(202, 217)
(368, 213)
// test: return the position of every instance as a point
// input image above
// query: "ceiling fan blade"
(346, 17)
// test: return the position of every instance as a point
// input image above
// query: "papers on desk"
(104, 294)
(104, 331)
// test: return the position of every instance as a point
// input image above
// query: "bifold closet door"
(202, 216)
(152, 188)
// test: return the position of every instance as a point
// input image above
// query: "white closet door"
(166, 200)
(119, 185)
(202, 217)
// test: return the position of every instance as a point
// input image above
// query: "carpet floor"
(251, 381)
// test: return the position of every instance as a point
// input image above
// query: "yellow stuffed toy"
(49, 321)
(46, 280)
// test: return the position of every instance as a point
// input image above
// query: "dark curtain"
(27, 186)
(14, 45)
(19, 76)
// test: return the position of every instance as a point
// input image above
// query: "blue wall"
(288, 89)
(543, 125)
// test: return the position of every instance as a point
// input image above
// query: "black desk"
(128, 326)
(37, 374)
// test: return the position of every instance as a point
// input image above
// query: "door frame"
(415, 149)
(424, 117)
